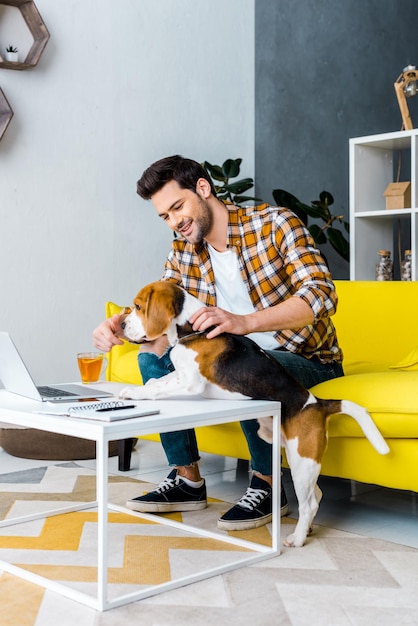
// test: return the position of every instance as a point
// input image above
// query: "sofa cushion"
(409, 362)
(376, 323)
(391, 397)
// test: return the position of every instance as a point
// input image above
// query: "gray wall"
(324, 72)
(119, 85)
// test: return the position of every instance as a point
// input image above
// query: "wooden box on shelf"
(398, 196)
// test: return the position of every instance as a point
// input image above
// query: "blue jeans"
(181, 448)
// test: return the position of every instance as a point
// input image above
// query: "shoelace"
(166, 484)
(252, 498)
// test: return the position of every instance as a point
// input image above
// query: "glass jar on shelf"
(384, 266)
(406, 266)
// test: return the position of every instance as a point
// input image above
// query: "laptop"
(16, 378)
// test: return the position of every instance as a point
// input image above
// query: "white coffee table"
(175, 414)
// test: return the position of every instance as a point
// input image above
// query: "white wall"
(119, 85)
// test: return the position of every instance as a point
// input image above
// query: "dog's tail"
(362, 418)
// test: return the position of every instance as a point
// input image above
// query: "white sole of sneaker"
(244, 525)
(170, 507)
(247, 525)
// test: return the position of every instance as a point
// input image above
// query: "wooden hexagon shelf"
(37, 29)
(6, 114)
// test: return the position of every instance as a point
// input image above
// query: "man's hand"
(293, 313)
(105, 336)
(223, 321)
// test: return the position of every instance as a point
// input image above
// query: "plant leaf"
(231, 168)
(321, 210)
(339, 243)
(286, 199)
(326, 198)
(239, 186)
(239, 199)
(317, 234)
(215, 171)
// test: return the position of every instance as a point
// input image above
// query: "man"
(259, 273)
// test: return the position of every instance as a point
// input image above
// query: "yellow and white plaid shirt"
(277, 259)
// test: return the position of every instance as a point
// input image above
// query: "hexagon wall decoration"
(6, 114)
(37, 29)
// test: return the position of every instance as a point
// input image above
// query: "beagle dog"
(233, 367)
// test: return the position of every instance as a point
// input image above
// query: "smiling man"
(259, 274)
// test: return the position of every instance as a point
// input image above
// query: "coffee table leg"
(276, 485)
(125, 447)
(102, 515)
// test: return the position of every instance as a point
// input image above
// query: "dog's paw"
(131, 393)
(293, 541)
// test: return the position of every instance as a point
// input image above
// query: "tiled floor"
(374, 512)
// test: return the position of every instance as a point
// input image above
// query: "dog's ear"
(159, 311)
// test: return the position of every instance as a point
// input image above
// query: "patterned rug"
(337, 578)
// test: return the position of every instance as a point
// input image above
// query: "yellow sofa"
(378, 332)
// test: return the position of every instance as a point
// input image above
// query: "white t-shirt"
(232, 295)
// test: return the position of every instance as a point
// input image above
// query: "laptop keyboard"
(52, 392)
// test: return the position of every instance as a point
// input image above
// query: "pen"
(116, 408)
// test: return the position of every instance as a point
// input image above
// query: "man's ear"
(203, 188)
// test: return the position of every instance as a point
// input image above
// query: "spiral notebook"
(109, 411)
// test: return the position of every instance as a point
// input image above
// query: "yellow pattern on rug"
(146, 558)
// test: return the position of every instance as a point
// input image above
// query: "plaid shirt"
(277, 259)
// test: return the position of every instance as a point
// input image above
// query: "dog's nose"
(123, 325)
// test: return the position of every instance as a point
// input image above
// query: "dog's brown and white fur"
(232, 367)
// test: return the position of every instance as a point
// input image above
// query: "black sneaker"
(254, 508)
(172, 494)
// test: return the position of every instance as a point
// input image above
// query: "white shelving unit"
(373, 166)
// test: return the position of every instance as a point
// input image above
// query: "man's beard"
(202, 223)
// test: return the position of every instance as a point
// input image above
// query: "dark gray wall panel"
(324, 72)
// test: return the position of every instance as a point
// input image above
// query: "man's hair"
(185, 172)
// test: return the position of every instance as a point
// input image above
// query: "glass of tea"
(91, 366)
